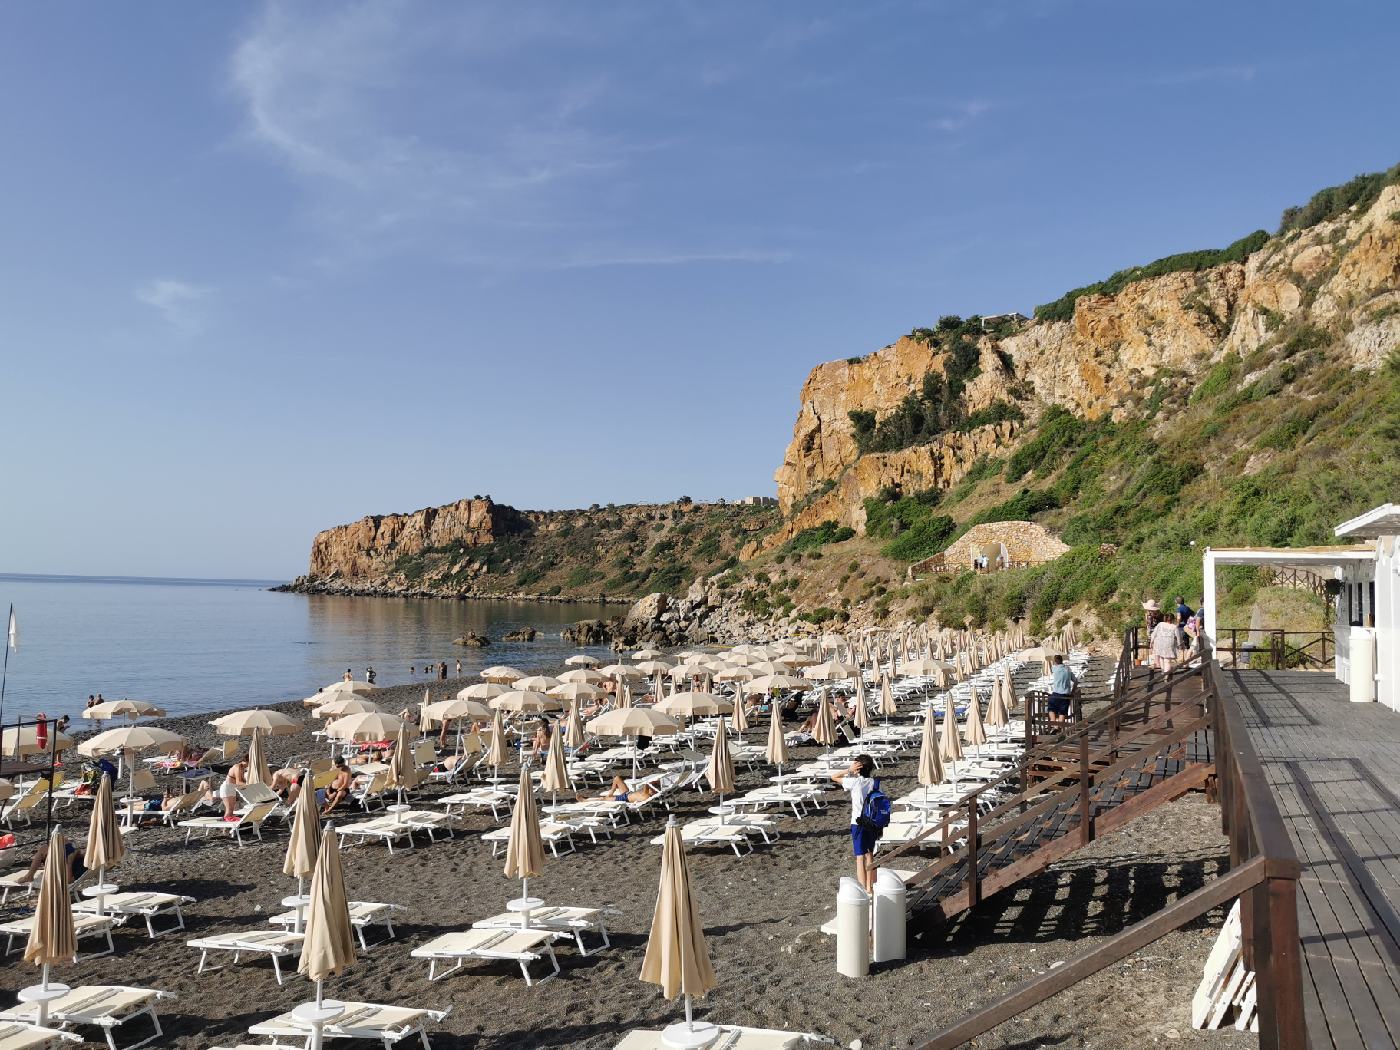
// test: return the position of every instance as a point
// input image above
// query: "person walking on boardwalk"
(1062, 687)
(1163, 644)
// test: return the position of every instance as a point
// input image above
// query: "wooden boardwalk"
(1335, 770)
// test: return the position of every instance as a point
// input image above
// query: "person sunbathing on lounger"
(619, 792)
(339, 788)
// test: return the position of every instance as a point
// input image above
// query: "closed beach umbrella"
(573, 731)
(740, 718)
(973, 732)
(23, 741)
(930, 766)
(52, 940)
(556, 774)
(949, 743)
(1008, 689)
(777, 752)
(719, 771)
(888, 708)
(861, 715)
(246, 723)
(498, 754)
(502, 674)
(824, 729)
(676, 958)
(105, 848)
(258, 773)
(300, 858)
(583, 660)
(338, 707)
(124, 709)
(403, 771)
(329, 946)
(997, 717)
(131, 738)
(367, 725)
(525, 850)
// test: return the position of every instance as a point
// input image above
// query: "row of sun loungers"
(107, 1007)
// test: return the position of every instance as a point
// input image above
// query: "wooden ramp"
(1149, 747)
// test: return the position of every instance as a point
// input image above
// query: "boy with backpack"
(870, 815)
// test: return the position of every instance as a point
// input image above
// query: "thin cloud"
(176, 301)
(962, 116)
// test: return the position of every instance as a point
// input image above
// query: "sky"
(267, 269)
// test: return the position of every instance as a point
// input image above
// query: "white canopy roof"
(1381, 521)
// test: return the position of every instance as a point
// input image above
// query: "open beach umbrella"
(525, 701)
(949, 742)
(483, 691)
(131, 738)
(455, 710)
(498, 754)
(766, 683)
(366, 725)
(824, 729)
(501, 673)
(582, 660)
(633, 722)
(647, 654)
(246, 723)
(524, 849)
(861, 714)
(52, 940)
(347, 705)
(124, 709)
(300, 858)
(676, 957)
(692, 705)
(653, 667)
(930, 764)
(556, 773)
(888, 707)
(23, 741)
(576, 691)
(536, 683)
(584, 675)
(740, 718)
(719, 771)
(573, 731)
(620, 671)
(973, 731)
(258, 773)
(105, 848)
(329, 946)
(342, 686)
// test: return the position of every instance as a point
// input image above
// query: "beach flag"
(12, 638)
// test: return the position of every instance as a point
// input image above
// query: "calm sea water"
(199, 645)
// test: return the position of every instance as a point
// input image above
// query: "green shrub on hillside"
(996, 412)
(819, 536)
(1218, 379)
(1062, 309)
(922, 540)
(1336, 200)
(1059, 430)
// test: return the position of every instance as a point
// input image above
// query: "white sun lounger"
(362, 914)
(552, 834)
(394, 827)
(272, 943)
(106, 1006)
(697, 834)
(385, 1025)
(84, 927)
(148, 906)
(493, 799)
(234, 829)
(15, 1035)
(520, 946)
(731, 1037)
(573, 921)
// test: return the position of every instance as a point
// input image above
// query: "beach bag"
(875, 814)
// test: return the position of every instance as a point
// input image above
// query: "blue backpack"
(876, 811)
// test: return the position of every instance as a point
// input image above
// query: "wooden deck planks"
(1334, 767)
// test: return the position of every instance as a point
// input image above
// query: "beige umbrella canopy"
(524, 850)
(973, 731)
(676, 957)
(930, 766)
(694, 704)
(556, 773)
(450, 710)
(246, 723)
(777, 752)
(888, 707)
(647, 654)
(736, 674)
(824, 729)
(949, 743)
(719, 771)
(258, 773)
(124, 709)
(368, 725)
(483, 691)
(768, 682)
(576, 691)
(23, 741)
(347, 705)
(403, 771)
(996, 707)
(526, 701)
(359, 688)
(585, 675)
(329, 946)
(573, 728)
(831, 671)
(633, 721)
(105, 848)
(536, 683)
(52, 939)
(582, 660)
(621, 671)
(498, 754)
(300, 858)
(131, 738)
(500, 673)
(861, 715)
(653, 667)
(740, 720)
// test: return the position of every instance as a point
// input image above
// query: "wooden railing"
(1278, 650)
(1264, 873)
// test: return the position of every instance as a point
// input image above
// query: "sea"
(203, 645)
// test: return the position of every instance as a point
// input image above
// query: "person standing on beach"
(857, 781)
(348, 676)
(459, 668)
(369, 674)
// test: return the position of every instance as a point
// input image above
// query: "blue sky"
(268, 269)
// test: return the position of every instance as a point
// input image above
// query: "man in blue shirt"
(1184, 612)
(1062, 686)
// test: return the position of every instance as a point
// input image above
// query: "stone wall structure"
(1024, 543)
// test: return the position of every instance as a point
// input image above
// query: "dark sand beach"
(760, 913)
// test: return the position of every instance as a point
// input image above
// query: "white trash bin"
(890, 916)
(1363, 665)
(852, 929)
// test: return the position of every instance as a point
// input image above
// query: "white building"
(1367, 571)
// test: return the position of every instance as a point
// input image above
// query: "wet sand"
(760, 914)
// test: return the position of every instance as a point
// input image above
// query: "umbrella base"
(43, 994)
(690, 1036)
(310, 1013)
